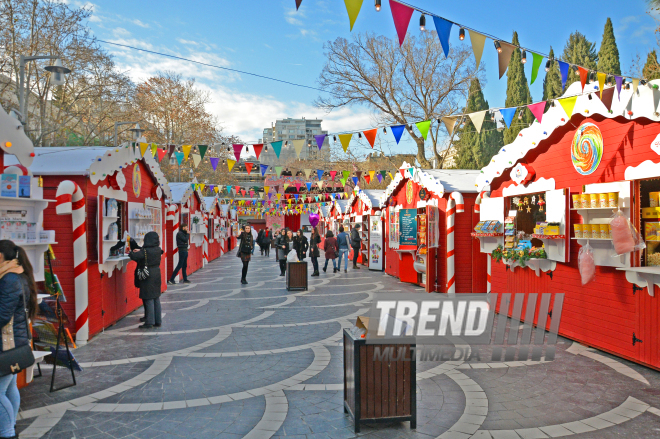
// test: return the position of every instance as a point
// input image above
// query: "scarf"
(10, 267)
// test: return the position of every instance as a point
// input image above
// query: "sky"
(271, 38)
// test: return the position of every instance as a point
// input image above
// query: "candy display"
(488, 227)
(595, 201)
(623, 234)
(586, 264)
(587, 148)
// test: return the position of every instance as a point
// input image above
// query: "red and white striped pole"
(71, 201)
(173, 215)
(454, 204)
(205, 246)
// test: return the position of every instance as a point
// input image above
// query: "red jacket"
(331, 248)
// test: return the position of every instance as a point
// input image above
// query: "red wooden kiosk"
(364, 208)
(428, 224)
(597, 158)
(103, 194)
(186, 207)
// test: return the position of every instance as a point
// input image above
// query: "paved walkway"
(259, 362)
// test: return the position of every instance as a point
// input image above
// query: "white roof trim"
(646, 169)
(540, 185)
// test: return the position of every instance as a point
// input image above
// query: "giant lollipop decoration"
(587, 148)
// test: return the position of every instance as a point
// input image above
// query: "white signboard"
(375, 242)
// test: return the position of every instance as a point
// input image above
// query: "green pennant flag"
(278, 169)
(277, 147)
(423, 127)
(346, 174)
(536, 63)
(202, 150)
(412, 171)
(383, 173)
(343, 181)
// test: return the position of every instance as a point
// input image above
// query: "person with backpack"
(356, 243)
(330, 251)
(344, 248)
(314, 252)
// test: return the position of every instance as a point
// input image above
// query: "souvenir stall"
(339, 216)
(186, 208)
(580, 192)
(105, 197)
(216, 240)
(364, 209)
(428, 224)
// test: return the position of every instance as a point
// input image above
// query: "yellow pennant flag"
(568, 104)
(345, 139)
(353, 8)
(216, 189)
(298, 145)
(266, 189)
(186, 151)
(230, 164)
(478, 40)
(201, 187)
(390, 174)
(286, 186)
(279, 196)
(154, 148)
(601, 82)
(143, 148)
(371, 175)
(345, 195)
(196, 159)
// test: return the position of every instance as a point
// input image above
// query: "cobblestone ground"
(258, 361)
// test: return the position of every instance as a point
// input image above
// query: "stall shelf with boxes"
(217, 228)
(186, 208)
(364, 208)
(339, 216)
(428, 221)
(105, 196)
(578, 195)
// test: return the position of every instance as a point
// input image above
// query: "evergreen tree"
(517, 94)
(552, 81)
(608, 55)
(651, 69)
(475, 150)
(578, 50)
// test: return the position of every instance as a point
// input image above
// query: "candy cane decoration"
(173, 215)
(71, 201)
(454, 204)
(205, 246)
(488, 258)
(480, 197)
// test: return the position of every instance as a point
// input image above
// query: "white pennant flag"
(478, 119)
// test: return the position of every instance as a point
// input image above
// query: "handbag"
(143, 273)
(16, 359)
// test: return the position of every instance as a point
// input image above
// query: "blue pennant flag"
(296, 195)
(443, 27)
(319, 172)
(309, 186)
(355, 180)
(563, 69)
(397, 130)
(179, 157)
(264, 169)
(507, 114)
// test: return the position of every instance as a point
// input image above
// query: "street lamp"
(137, 132)
(58, 79)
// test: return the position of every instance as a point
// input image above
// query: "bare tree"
(402, 85)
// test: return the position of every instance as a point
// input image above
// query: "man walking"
(356, 243)
(182, 238)
(342, 242)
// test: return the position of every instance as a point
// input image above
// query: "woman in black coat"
(300, 245)
(149, 255)
(245, 251)
(266, 239)
(314, 252)
(16, 283)
(283, 249)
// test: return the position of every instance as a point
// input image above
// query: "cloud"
(187, 42)
(120, 32)
(140, 23)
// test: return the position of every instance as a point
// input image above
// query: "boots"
(316, 273)
(355, 267)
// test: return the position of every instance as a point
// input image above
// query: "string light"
(498, 47)
(548, 65)
(422, 23)
(384, 130)
(461, 34)
(377, 5)
(524, 56)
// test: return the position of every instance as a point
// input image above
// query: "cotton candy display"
(623, 234)
(586, 264)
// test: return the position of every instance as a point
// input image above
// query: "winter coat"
(151, 252)
(260, 238)
(355, 238)
(12, 288)
(342, 241)
(331, 248)
(300, 245)
(314, 246)
(283, 252)
(266, 238)
(247, 243)
(182, 240)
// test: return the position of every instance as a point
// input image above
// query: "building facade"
(288, 130)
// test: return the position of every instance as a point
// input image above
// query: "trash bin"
(379, 389)
(296, 276)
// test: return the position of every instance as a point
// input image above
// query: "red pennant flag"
(403, 172)
(238, 189)
(333, 174)
(161, 153)
(243, 192)
(537, 110)
(367, 178)
(584, 75)
(401, 15)
(371, 136)
(257, 149)
(248, 166)
(237, 151)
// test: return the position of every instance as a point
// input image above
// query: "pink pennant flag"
(298, 184)
(401, 15)
(237, 151)
(332, 175)
(537, 110)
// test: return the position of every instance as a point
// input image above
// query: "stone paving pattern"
(257, 361)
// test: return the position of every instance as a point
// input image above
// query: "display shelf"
(489, 243)
(536, 265)
(412, 252)
(27, 199)
(604, 252)
(597, 208)
(484, 235)
(644, 277)
(593, 239)
(32, 244)
(548, 237)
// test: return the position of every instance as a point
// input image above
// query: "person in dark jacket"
(283, 249)
(149, 256)
(182, 239)
(16, 285)
(356, 243)
(245, 249)
(314, 252)
(331, 250)
(279, 253)
(260, 237)
(266, 239)
(300, 245)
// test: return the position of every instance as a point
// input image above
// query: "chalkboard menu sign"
(408, 227)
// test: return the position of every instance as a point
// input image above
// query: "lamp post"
(137, 132)
(56, 69)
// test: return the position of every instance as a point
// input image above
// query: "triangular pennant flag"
(449, 122)
(478, 41)
(345, 139)
(201, 186)
(230, 164)
(343, 181)
(504, 57)
(346, 174)
(216, 189)
(333, 174)
(143, 148)
(367, 179)
(179, 157)
(319, 173)
(536, 63)
(266, 189)
(243, 192)
(237, 151)
(278, 170)
(371, 174)
(320, 139)
(411, 171)
(568, 104)
(257, 149)
(202, 150)
(507, 114)
(380, 178)
(251, 193)
(248, 167)
(563, 69)
(298, 146)
(478, 119)
(277, 188)
(537, 110)
(401, 15)
(186, 151)
(383, 173)
(277, 147)
(423, 128)
(391, 176)
(443, 28)
(602, 77)
(619, 83)
(307, 172)
(584, 76)
(298, 184)
(397, 130)
(355, 180)
(196, 159)
(635, 83)
(320, 184)
(171, 149)
(298, 2)
(607, 96)
(264, 169)
(161, 153)
(286, 186)
(309, 186)
(296, 196)
(154, 149)
(359, 174)
(371, 136)
(353, 9)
